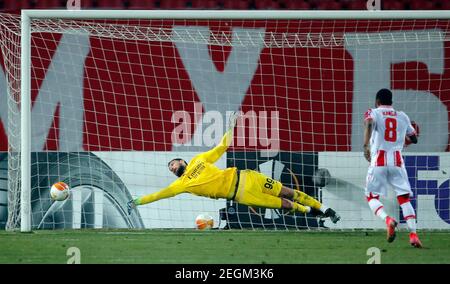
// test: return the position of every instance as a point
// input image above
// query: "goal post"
(123, 36)
(25, 123)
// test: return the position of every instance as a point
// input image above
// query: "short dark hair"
(384, 96)
(177, 159)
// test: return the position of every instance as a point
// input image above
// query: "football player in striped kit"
(385, 131)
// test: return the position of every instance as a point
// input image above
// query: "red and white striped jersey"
(388, 135)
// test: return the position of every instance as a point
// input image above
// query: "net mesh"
(115, 100)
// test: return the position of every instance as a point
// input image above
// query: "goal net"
(113, 100)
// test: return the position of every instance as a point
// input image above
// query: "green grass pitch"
(219, 247)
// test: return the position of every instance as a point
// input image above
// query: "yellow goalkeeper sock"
(300, 208)
(307, 200)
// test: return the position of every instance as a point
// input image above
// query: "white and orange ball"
(60, 191)
(204, 222)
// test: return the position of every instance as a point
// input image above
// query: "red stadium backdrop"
(131, 89)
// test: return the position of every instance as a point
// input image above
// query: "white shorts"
(379, 179)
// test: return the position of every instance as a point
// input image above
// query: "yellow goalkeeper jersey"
(202, 177)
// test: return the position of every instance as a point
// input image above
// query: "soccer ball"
(204, 222)
(59, 191)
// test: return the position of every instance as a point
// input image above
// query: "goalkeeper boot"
(334, 217)
(130, 206)
(414, 240)
(391, 224)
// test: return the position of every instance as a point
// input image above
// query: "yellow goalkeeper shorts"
(256, 189)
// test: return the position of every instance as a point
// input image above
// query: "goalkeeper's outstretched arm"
(173, 189)
(167, 192)
(214, 154)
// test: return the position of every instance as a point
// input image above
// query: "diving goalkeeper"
(201, 177)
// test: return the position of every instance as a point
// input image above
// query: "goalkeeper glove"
(233, 120)
(130, 206)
